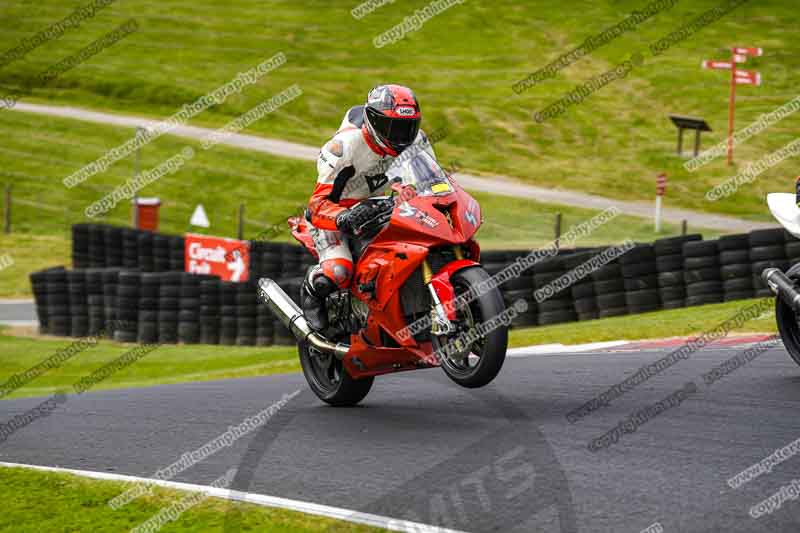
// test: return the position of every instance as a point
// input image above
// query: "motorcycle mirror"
(784, 208)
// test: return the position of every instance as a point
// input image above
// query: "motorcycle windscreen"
(784, 208)
(422, 172)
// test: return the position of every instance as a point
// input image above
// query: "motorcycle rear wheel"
(487, 354)
(329, 380)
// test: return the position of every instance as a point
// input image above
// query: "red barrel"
(147, 213)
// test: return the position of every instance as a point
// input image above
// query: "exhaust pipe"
(292, 317)
(782, 286)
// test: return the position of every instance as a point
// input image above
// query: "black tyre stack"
(96, 303)
(78, 303)
(145, 251)
(767, 250)
(609, 290)
(735, 268)
(112, 246)
(80, 246)
(792, 250)
(176, 253)
(307, 259)
(128, 285)
(246, 314)
(41, 289)
(169, 307)
(493, 261)
(583, 296)
(228, 313)
(110, 281)
(130, 248)
(265, 325)
(161, 253)
(555, 307)
(58, 315)
(149, 305)
(520, 288)
(291, 260)
(189, 315)
(292, 288)
(209, 310)
(669, 263)
(256, 271)
(640, 275)
(270, 255)
(701, 272)
(97, 244)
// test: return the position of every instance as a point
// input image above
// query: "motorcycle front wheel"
(788, 321)
(469, 358)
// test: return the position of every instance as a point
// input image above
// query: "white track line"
(547, 349)
(392, 524)
(15, 323)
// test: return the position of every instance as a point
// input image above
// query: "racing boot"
(316, 289)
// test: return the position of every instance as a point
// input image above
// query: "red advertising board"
(227, 258)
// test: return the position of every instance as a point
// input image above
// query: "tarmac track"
(503, 458)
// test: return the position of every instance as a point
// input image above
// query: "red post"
(731, 107)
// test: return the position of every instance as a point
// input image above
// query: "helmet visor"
(396, 132)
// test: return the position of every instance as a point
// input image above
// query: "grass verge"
(658, 324)
(167, 364)
(30, 253)
(35, 501)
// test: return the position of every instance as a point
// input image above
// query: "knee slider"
(322, 285)
(339, 271)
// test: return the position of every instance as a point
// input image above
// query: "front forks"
(441, 318)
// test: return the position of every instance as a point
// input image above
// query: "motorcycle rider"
(352, 167)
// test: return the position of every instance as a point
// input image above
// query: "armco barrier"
(156, 301)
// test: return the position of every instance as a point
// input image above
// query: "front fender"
(444, 288)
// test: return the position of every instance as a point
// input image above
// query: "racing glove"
(365, 216)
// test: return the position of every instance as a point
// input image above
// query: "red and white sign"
(661, 184)
(755, 52)
(718, 65)
(739, 58)
(748, 77)
(227, 258)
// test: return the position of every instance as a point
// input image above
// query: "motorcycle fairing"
(784, 208)
(419, 223)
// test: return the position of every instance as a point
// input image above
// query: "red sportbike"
(417, 299)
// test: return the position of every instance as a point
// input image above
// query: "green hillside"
(271, 188)
(462, 63)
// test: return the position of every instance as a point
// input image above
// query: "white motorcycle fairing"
(784, 208)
